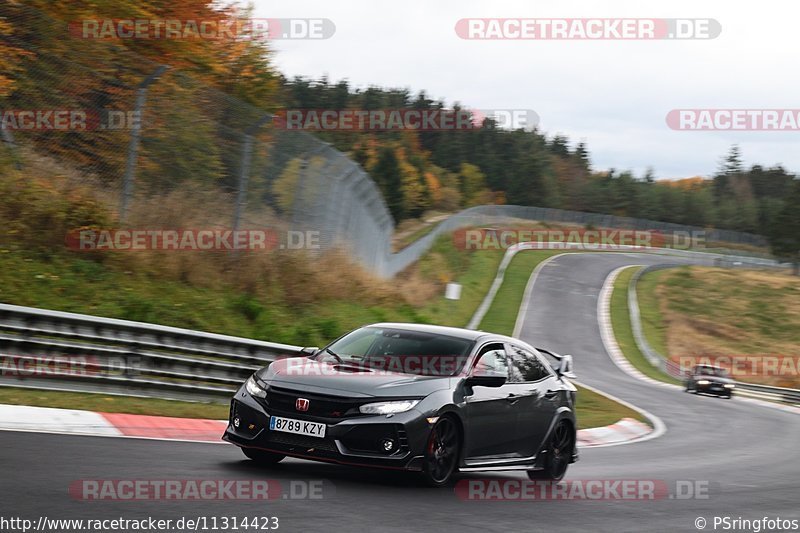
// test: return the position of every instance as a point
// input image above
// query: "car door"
(491, 417)
(538, 390)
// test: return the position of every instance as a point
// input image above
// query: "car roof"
(462, 333)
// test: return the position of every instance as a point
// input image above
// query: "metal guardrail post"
(133, 147)
(244, 169)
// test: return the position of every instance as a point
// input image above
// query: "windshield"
(711, 371)
(398, 350)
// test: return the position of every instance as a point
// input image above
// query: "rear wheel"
(263, 457)
(442, 453)
(559, 453)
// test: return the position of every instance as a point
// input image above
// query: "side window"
(492, 360)
(525, 366)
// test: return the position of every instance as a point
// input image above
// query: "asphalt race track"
(745, 453)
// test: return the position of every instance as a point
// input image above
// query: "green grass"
(653, 325)
(623, 332)
(113, 404)
(415, 235)
(474, 270)
(595, 410)
(503, 312)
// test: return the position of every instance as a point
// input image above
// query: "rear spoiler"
(564, 366)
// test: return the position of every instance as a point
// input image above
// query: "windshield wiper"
(335, 355)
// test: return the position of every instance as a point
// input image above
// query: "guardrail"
(674, 369)
(55, 350)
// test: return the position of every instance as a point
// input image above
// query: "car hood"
(338, 380)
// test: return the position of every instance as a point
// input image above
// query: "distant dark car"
(710, 380)
(413, 397)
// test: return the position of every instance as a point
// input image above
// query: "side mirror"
(565, 367)
(309, 350)
(487, 378)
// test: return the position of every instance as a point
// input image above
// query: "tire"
(442, 453)
(559, 452)
(263, 457)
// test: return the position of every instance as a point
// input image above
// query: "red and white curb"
(624, 431)
(76, 422)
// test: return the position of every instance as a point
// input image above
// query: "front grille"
(300, 441)
(322, 406)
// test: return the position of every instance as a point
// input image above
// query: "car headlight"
(703, 382)
(729, 385)
(387, 408)
(254, 388)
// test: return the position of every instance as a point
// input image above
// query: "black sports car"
(423, 398)
(711, 380)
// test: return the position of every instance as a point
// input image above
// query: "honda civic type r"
(422, 398)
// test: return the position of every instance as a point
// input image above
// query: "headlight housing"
(255, 390)
(729, 385)
(387, 408)
(703, 382)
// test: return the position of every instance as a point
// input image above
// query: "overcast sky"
(614, 95)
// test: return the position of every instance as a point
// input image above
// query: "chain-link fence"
(164, 149)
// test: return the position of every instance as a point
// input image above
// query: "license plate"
(298, 427)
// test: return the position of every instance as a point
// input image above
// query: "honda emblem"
(301, 404)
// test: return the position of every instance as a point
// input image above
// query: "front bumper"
(351, 440)
(714, 388)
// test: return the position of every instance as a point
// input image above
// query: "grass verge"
(112, 404)
(623, 332)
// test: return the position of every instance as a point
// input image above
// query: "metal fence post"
(133, 147)
(244, 169)
(8, 138)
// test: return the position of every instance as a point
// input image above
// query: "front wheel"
(263, 457)
(559, 452)
(441, 453)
